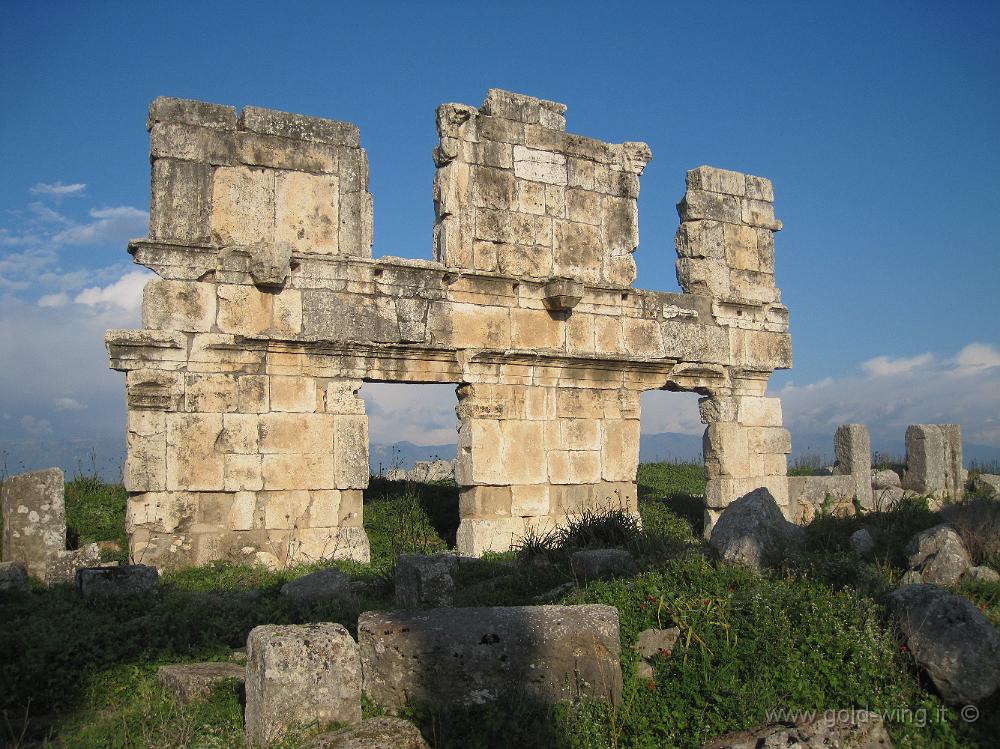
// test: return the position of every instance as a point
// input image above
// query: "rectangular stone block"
(243, 206)
(692, 342)
(276, 152)
(759, 412)
(299, 127)
(698, 204)
(300, 674)
(191, 112)
(620, 450)
(292, 394)
(187, 306)
(357, 228)
(544, 653)
(181, 201)
(210, 393)
(539, 166)
(716, 180)
(296, 433)
(146, 443)
(206, 145)
(307, 212)
(34, 519)
(192, 461)
(351, 449)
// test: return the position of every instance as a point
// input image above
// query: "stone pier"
(246, 436)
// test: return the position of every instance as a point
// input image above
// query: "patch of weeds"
(978, 523)
(95, 512)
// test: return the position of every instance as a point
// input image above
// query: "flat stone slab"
(116, 581)
(467, 656)
(384, 732)
(322, 585)
(195, 681)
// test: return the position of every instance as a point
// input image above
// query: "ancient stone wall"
(246, 436)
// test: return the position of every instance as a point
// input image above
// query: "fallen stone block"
(384, 732)
(981, 574)
(426, 579)
(986, 485)
(195, 681)
(300, 674)
(862, 542)
(594, 564)
(129, 580)
(653, 642)
(34, 519)
(13, 577)
(857, 729)
(939, 555)
(322, 585)
(885, 479)
(467, 656)
(752, 532)
(64, 565)
(951, 640)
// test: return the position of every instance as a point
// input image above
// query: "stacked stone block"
(853, 447)
(246, 436)
(517, 195)
(934, 461)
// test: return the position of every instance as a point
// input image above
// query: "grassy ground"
(812, 636)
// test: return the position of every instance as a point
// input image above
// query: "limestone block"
(548, 653)
(573, 466)
(191, 112)
(243, 473)
(752, 286)
(357, 229)
(296, 433)
(642, 337)
(244, 310)
(609, 338)
(535, 329)
(294, 394)
(523, 462)
(181, 201)
(620, 225)
(692, 342)
(759, 213)
(192, 462)
(716, 180)
(290, 471)
(195, 681)
(470, 325)
(499, 129)
(539, 166)
(207, 145)
(299, 127)
(620, 450)
(756, 411)
(699, 204)
(34, 519)
(476, 536)
(351, 449)
(530, 500)
(339, 316)
(154, 390)
(741, 249)
(307, 211)
(300, 674)
(934, 460)
(853, 447)
(521, 261)
(243, 206)
(239, 434)
(127, 580)
(145, 461)
(187, 306)
(760, 349)
(709, 277)
(579, 403)
(13, 577)
(702, 239)
(727, 450)
(63, 565)
(522, 108)
(485, 502)
(253, 394)
(619, 270)
(579, 434)
(284, 153)
(580, 334)
(577, 251)
(492, 188)
(583, 206)
(530, 197)
(581, 173)
(210, 393)
(769, 440)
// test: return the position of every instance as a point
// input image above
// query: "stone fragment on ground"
(981, 574)
(384, 732)
(555, 594)
(753, 532)
(34, 519)
(862, 542)
(127, 580)
(986, 485)
(426, 579)
(939, 555)
(594, 564)
(322, 585)
(951, 640)
(64, 565)
(887, 497)
(13, 577)
(654, 643)
(195, 681)
(852, 728)
(467, 656)
(299, 674)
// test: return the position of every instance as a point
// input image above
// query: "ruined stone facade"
(246, 435)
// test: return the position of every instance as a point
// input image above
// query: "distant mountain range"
(107, 457)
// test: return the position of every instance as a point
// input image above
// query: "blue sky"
(878, 122)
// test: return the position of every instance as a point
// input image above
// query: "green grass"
(813, 635)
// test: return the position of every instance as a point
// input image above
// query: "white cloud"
(976, 357)
(43, 213)
(58, 189)
(883, 366)
(36, 427)
(58, 299)
(421, 414)
(117, 224)
(125, 293)
(68, 404)
(670, 412)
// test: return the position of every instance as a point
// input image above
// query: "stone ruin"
(246, 435)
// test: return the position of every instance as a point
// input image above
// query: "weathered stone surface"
(384, 732)
(752, 532)
(195, 681)
(854, 728)
(986, 484)
(862, 542)
(594, 564)
(425, 471)
(951, 640)
(981, 574)
(885, 479)
(853, 447)
(13, 577)
(934, 460)
(34, 518)
(939, 555)
(464, 656)
(117, 581)
(425, 580)
(300, 674)
(63, 566)
(322, 585)
(654, 642)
